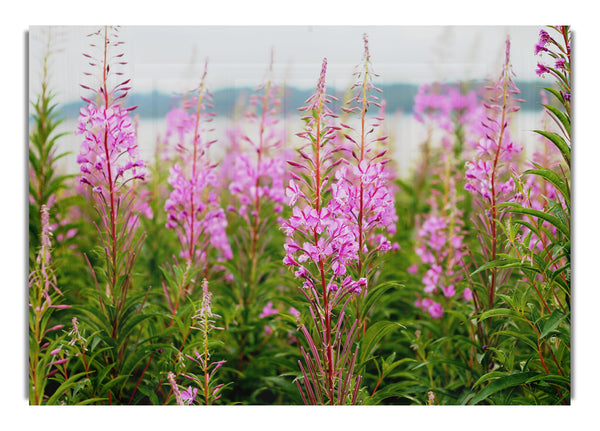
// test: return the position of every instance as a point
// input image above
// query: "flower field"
(261, 260)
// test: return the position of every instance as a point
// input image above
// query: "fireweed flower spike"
(319, 246)
(440, 235)
(43, 292)
(558, 49)
(257, 188)
(193, 208)
(204, 321)
(362, 193)
(485, 173)
(109, 162)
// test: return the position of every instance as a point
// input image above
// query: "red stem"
(328, 347)
(140, 379)
(113, 215)
(494, 201)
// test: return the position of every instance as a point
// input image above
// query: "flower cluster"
(320, 245)
(258, 174)
(109, 153)
(193, 208)
(439, 242)
(445, 106)
(42, 302)
(109, 160)
(488, 174)
(204, 322)
(441, 250)
(559, 53)
(108, 156)
(452, 109)
(497, 146)
(317, 232)
(257, 180)
(362, 193)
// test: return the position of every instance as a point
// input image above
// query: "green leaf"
(507, 262)
(561, 117)
(513, 207)
(71, 381)
(519, 336)
(375, 294)
(90, 401)
(501, 383)
(500, 312)
(131, 324)
(490, 376)
(559, 142)
(552, 323)
(373, 335)
(554, 379)
(556, 94)
(553, 178)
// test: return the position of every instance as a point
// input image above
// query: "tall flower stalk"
(193, 208)
(258, 192)
(319, 246)
(440, 236)
(45, 183)
(44, 352)
(258, 174)
(109, 164)
(203, 321)
(486, 173)
(362, 193)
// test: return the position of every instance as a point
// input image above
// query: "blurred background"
(166, 61)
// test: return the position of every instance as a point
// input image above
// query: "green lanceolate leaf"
(553, 220)
(506, 262)
(500, 312)
(71, 381)
(552, 323)
(561, 117)
(501, 383)
(373, 335)
(559, 142)
(553, 178)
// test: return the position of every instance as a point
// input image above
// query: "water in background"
(406, 136)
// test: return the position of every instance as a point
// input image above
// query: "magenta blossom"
(268, 310)
(193, 208)
(362, 193)
(188, 396)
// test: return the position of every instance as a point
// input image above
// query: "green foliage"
(120, 349)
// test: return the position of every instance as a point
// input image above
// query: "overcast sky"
(171, 58)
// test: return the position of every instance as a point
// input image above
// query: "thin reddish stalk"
(194, 160)
(494, 202)
(141, 377)
(113, 214)
(329, 352)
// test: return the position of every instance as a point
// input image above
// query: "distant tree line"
(399, 98)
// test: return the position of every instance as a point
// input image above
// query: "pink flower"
(193, 208)
(293, 192)
(484, 171)
(107, 132)
(436, 310)
(541, 69)
(188, 395)
(268, 310)
(468, 294)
